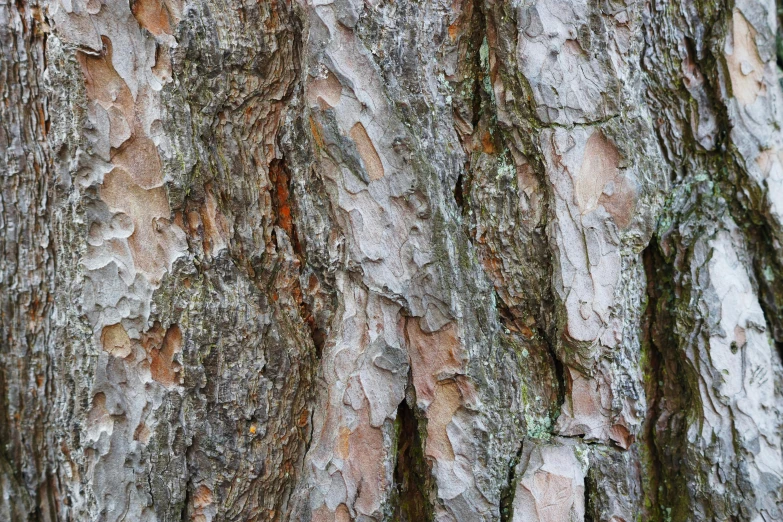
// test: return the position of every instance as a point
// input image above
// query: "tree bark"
(391, 260)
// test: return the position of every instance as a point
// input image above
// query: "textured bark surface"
(340, 260)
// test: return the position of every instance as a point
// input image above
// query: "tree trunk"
(391, 260)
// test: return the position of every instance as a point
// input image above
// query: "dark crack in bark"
(412, 478)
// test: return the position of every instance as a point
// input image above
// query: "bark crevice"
(412, 478)
(509, 489)
(284, 211)
(652, 372)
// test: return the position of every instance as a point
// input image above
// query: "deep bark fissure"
(411, 474)
(459, 197)
(771, 299)
(186, 504)
(494, 139)
(652, 372)
(284, 207)
(477, 102)
(672, 387)
(672, 392)
(766, 261)
(779, 39)
(478, 38)
(559, 368)
(590, 488)
(509, 489)
(746, 208)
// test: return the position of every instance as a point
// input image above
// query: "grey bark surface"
(332, 260)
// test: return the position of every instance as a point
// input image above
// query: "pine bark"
(331, 260)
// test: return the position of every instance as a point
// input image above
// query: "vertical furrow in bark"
(653, 364)
(719, 100)
(380, 92)
(672, 393)
(411, 495)
(577, 141)
(26, 271)
(509, 489)
(506, 223)
(719, 386)
(505, 211)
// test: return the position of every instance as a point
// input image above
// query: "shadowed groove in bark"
(671, 397)
(476, 101)
(768, 275)
(509, 490)
(459, 197)
(411, 473)
(713, 175)
(590, 487)
(495, 140)
(279, 176)
(651, 366)
(284, 206)
(779, 38)
(184, 515)
(746, 206)
(559, 369)
(745, 198)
